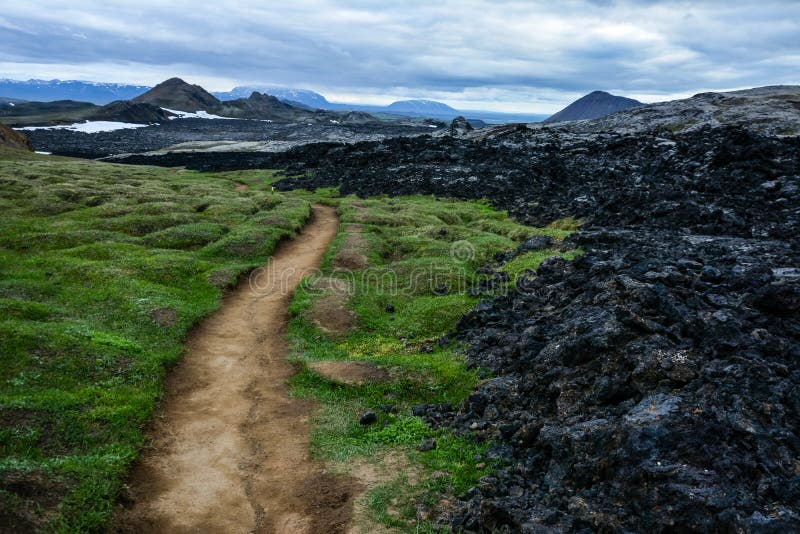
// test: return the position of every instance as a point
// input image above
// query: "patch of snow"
(43, 153)
(334, 122)
(196, 115)
(89, 127)
(11, 104)
(432, 126)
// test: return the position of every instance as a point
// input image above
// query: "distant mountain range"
(103, 93)
(408, 108)
(303, 97)
(174, 98)
(421, 107)
(177, 95)
(49, 90)
(595, 104)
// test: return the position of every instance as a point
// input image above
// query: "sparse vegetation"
(423, 259)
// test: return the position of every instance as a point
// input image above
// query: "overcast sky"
(526, 56)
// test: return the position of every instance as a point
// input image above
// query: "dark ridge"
(595, 104)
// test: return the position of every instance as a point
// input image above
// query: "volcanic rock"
(460, 126)
(367, 418)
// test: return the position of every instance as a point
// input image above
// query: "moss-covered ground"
(424, 256)
(103, 271)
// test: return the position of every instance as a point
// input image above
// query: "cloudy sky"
(527, 56)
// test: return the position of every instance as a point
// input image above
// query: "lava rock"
(427, 445)
(537, 242)
(367, 418)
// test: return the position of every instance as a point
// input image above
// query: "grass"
(414, 246)
(530, 261)
(103, 269)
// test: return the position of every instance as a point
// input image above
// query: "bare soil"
(351, 373)
(229, 450)
(330, 312)
(350, 257)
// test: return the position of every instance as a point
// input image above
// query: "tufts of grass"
(89, 253)
(416, 246)
(187, 236)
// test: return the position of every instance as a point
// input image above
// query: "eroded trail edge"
(229, 449)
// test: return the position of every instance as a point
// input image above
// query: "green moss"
(528, 262)
(414, 245)
(88, 251)
(187, 236)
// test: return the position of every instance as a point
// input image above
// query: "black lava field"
(652, 384)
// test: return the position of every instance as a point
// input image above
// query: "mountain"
(292, 96)
(48, 90)
(595, 104)
(408, 108)
(178, 95)
(101, 93)
(421, 107)
(771, 110)
(13, 139)
(241, 102)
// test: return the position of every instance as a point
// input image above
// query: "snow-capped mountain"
(293, 96)
(49, 90)
(422, 107)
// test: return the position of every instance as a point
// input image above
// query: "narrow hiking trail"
(229, 449)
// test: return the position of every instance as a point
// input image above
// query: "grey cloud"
(658, 47)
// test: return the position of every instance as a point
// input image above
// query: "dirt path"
(229, 450)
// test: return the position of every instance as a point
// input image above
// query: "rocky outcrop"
(724, 181)
(260, 106)
(10, 138)
(460, 126)
(595, 104)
